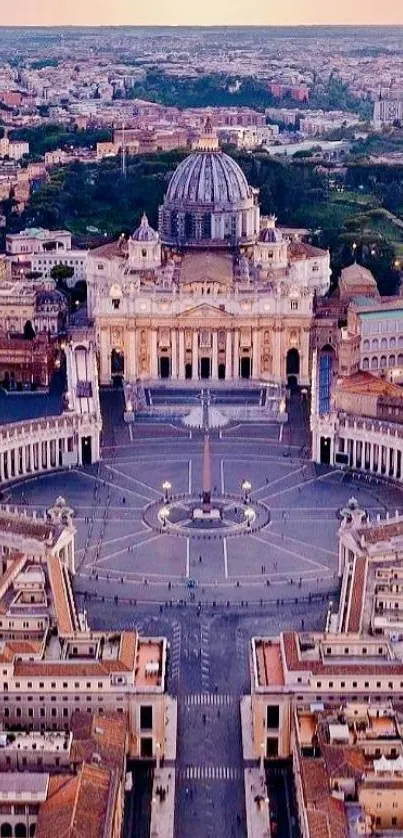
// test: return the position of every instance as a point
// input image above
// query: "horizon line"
(200, 25)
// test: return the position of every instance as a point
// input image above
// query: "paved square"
(116, 543)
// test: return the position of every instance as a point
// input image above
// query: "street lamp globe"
(166, 487)
(164, 515)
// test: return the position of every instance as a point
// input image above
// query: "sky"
(206, 12)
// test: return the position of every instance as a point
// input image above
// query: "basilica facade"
(216, 293)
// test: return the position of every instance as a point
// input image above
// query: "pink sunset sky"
(209, 12)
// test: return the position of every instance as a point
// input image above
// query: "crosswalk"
(205, 656)
(176, 652)
(208, 699)
(209, 772)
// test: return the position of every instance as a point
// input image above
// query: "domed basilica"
(217, 293)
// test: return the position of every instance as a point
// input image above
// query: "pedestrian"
(200, 559)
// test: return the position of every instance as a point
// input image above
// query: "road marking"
(190, 477)
(208, 699)
(134, 480)
(210, 772)
(187, 558)
(224, 544)
(121, 552)
(278, 480)
(222, 477)
(290, 553)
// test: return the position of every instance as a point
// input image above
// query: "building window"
(294, 305)
(146, 717)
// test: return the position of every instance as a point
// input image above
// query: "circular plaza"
(273, 533)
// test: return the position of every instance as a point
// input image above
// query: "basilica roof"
(208, 178)
(206, 266)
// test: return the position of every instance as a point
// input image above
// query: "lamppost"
(164, 515)
(249, 515)
(246, 487)
(166, 488)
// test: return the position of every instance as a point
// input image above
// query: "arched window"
(392, 360)
(375, 344)
(392, 343)
(365, 363)
(383, 361)
(20, 830)
(400, 360)
(374, 363)
(6, 830)
(384, 343)
(400, 344)
(366, 344)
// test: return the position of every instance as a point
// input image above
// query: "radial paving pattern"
(117, 540)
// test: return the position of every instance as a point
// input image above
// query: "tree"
(62, 272)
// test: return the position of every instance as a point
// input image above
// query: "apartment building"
(42, 250)
(348, 770)
(52, 665)
(70, 784)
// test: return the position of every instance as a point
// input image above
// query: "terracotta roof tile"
(357, 595)
(57, 581)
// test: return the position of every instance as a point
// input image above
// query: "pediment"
(204, 312)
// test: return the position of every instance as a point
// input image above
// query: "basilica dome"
(145, 233)
(208, 178)
(209, 203)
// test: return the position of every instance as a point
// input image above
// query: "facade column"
(214, 365)
(236, 353)
(1, 469)
(9, 464)
(256, 354)
(228, 355)
(277, 373)
(181, 354)
(104, 357)
(174, 365)
(304, 356)
(153, 355)
(31, 456)
(380, 453)
(195, 354)
(131, 355)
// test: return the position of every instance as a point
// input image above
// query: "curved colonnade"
(35, 446)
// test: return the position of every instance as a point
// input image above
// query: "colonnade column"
(371, 456)
(256, 354)
(214, 364)
(195, 355)
(181, 354)
(395, 463)
(154, 355)
(236, 353)
(354, 463)
(174, 366)
(228, 355)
